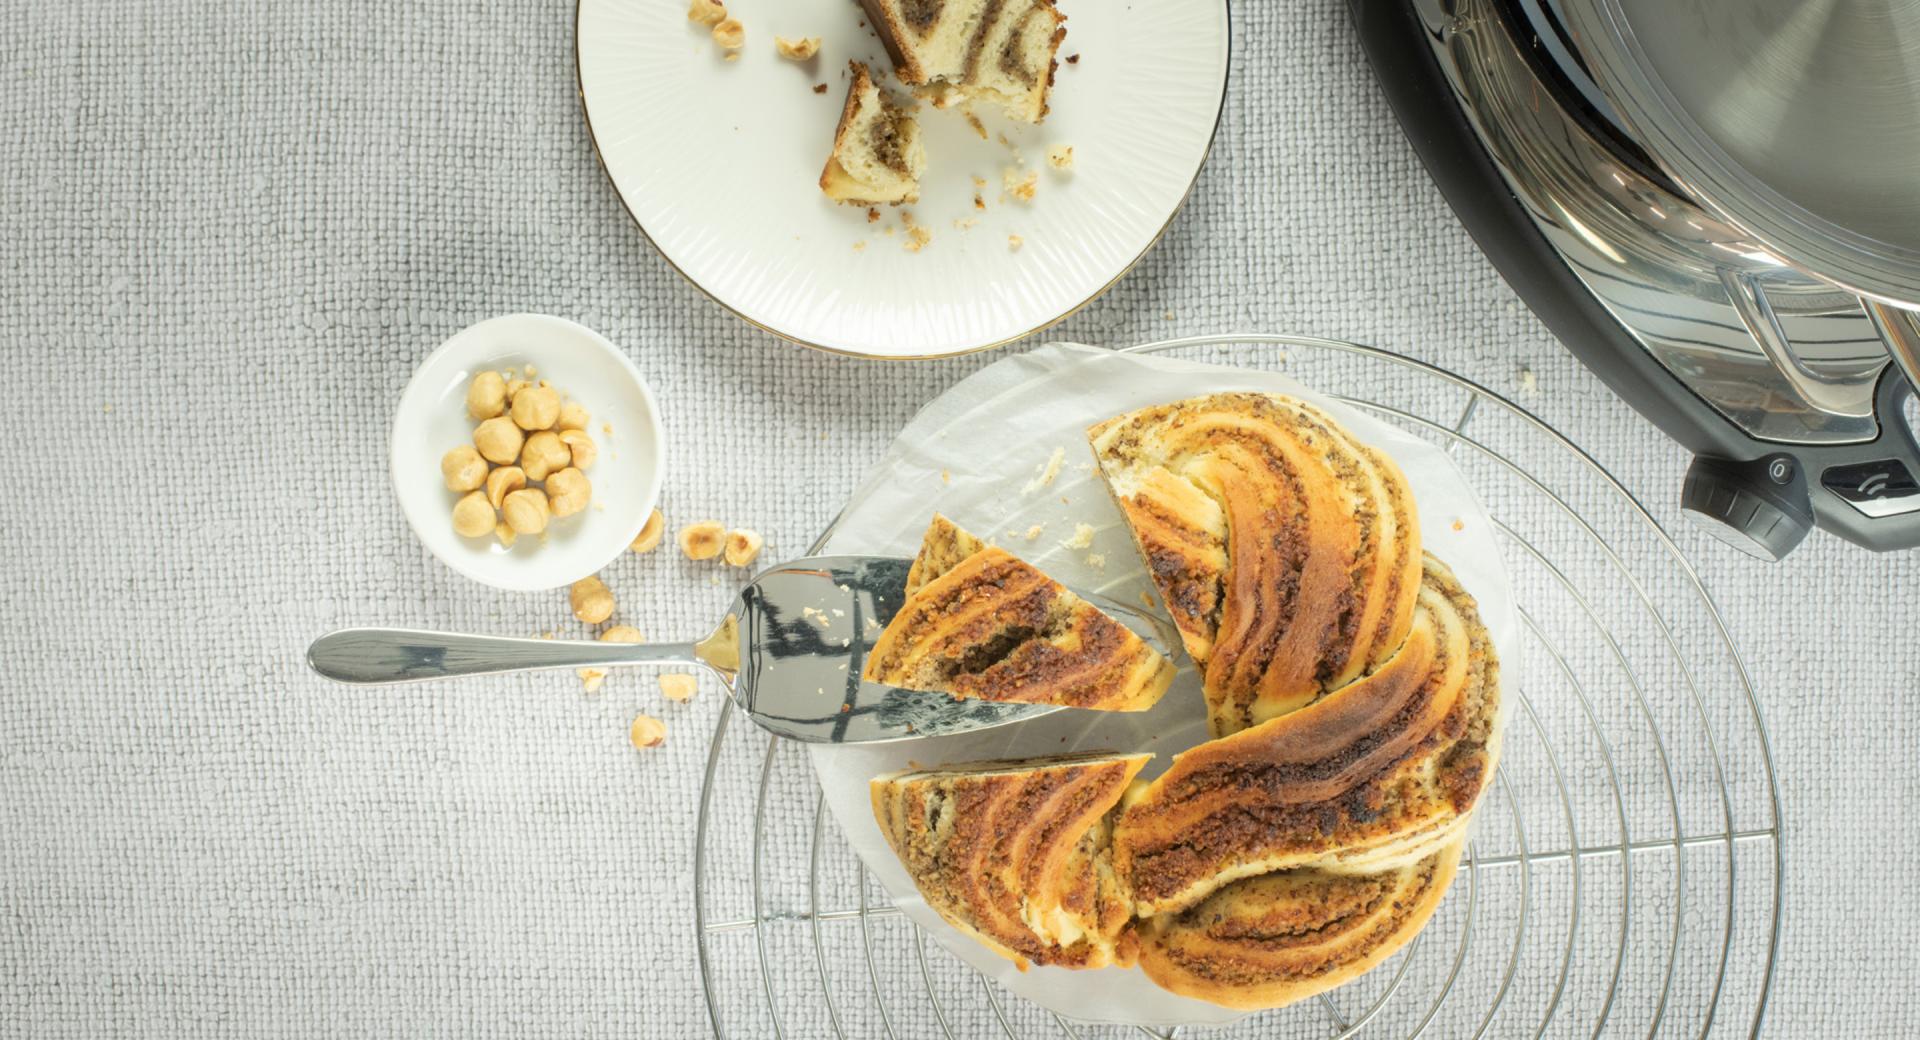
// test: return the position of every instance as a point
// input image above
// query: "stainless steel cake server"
(789, 652)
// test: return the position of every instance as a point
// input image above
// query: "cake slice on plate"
(877, 155)
(1000, 51)
(980, 623)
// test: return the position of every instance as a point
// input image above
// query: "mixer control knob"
(1759, 507)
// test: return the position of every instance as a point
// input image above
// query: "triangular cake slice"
(1287, 553)
(1279, 938)
(1015, 853)
(1376, 775)
(877, 156)
(980, 623)
(1000, 51)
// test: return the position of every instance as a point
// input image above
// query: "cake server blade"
(789, 651)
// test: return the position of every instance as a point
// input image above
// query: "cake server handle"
(373, 656)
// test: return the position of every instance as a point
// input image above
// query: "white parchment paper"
(979, 454)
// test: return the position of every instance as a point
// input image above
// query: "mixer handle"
(1899, 328)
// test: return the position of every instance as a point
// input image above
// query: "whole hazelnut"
(498, 440)
(573, 416)
(568, 492)
(591, 600)
(543, 454)
(536, 408)
(463, 469)
(486, 395)
(472, 516)
(525, 511)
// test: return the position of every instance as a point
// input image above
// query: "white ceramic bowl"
(581, 364)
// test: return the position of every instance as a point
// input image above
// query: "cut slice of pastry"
(1287, 553)
(1000, 51)
(877, 157)
(1374, 776)
(980, 623)
(1272, 940)
(1015, 853)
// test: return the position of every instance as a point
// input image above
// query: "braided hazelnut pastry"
(1375, 775)
(1271, 940)
(980, 623)
(1015, 853)
(1287, 553)
(1352, 689)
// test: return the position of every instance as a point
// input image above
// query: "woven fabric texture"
(231, 230)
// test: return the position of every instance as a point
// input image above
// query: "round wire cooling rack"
(1625, 872)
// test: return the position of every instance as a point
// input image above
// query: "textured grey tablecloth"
(227, 233)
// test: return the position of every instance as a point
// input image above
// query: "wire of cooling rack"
(1626, 873)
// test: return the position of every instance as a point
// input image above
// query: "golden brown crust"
(903, 40)
(859, 80)
(1375, 773)
(980, 623)
(1404, 564)
(1272, 940)
(1294, 581)
(890, 30)
(1015, 854)
(1053, 57)
(942, 549)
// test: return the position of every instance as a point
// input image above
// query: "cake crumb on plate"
(1045, 472)
(802, 49)
(1020, 184)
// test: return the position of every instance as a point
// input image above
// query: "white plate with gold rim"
(718, 162)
